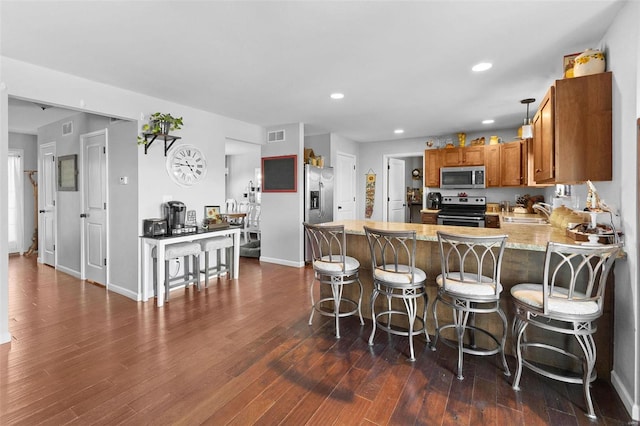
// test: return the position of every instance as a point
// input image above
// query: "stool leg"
(155, 277)
(166, 281)
(206, 269)
(196, 269)
(186, 274)
(218, 260)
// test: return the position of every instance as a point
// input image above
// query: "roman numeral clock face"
(186, 165)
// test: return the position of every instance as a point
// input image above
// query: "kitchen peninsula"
(523, 262)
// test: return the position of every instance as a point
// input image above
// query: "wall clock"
(186, 165)
(415, 173)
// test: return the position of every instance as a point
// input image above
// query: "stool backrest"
(577, 273)
(471, 258)
(392, 251)
(231, 205)
(328, 243)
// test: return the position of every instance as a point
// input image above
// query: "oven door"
(451, 220)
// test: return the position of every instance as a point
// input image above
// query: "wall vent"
(275, 136)
(67, 128)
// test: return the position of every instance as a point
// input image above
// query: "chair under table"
(175, 251)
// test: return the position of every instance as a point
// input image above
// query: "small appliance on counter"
(155, 227)
(434, 200)
(175, 212)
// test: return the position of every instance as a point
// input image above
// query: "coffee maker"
(434, 200)
(175, 212)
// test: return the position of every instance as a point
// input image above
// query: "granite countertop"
(520, 236)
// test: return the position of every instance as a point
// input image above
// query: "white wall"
(242, 169)
(622, 48)
(28, 145)
(282, 212)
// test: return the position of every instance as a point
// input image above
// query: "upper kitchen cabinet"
(572, 131)
(463, 156)
(492, 165)
(432, 168)
(513, 163)
(506, 164)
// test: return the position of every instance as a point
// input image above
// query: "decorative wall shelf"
(151, 137)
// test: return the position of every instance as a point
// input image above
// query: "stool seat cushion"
(216, 243)
(531, 294)
(334, 264)
(179, 250)
(469, 284)
(402, 276)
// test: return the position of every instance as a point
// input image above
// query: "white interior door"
(47, 204)
(15, 201)
(94, 203)
(396, 191)
(345, 188)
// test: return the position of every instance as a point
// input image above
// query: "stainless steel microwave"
(462, 177)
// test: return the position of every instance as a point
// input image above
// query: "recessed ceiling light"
(337, 95)
(482, 66)
(488, 121)
(398, 131)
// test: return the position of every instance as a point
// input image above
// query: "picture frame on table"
(567, 64)
(211, 212)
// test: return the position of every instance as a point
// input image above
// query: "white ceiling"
(400, 64)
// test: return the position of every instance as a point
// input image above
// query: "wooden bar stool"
(175, 251)
(217, 244)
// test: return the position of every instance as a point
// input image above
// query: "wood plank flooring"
(241, 352)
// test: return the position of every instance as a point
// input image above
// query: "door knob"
(339, 207)
(41, 211)
(83, 215)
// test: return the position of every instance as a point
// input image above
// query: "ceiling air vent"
(67, 128)
(275, 136)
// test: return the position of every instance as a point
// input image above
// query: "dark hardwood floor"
(241, 352)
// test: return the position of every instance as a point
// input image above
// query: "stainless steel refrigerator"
(318, 197)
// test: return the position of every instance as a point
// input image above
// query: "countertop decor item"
(591, 61)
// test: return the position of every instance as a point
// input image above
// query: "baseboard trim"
(5, 338)
(632, 407)
(69, 271)
(124, 292)
(282, 262)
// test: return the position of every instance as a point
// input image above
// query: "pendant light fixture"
(527, 128)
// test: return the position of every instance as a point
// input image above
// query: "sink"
(525, 220)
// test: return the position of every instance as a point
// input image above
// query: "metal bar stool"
(218, 244)
(393, 263)
(470, 284)
(332, 267)
(567, 303)
(175, 251)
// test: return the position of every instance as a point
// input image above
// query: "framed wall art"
(68, 172)
(280, 174)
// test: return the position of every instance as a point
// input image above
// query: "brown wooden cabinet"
(572, 131)
(463, 156)
(492, 165)
(432, 168)
(429, 218)
(492, 221)
(513, 163)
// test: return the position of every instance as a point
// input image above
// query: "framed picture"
(211, 212)
(567, 65)
(68, 173)
(280, 174)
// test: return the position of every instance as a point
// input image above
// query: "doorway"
(15, 168)
(94, 193)
(410, 161)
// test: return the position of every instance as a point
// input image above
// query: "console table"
(147, 244)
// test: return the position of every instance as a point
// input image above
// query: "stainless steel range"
(463, 211)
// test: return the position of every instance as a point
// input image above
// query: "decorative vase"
(462, 139)
(591, 61)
